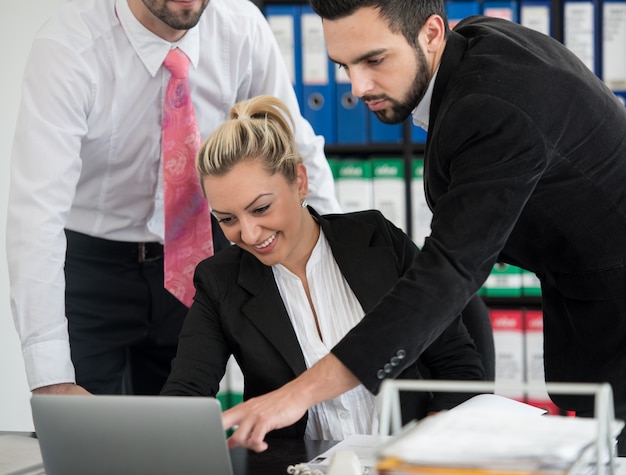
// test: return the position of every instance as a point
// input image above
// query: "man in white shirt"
(85, 218)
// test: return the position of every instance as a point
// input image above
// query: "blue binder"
(384, 133)
(284, 20)
(418, 135)
(457, 10)
(536, 15)
(318, 82)
(508, 10)
(352, 114)
(581, 31)
(614, 46)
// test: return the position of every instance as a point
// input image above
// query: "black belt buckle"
(141, 256)
(148, 251)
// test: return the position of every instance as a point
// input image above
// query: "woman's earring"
(304, 203)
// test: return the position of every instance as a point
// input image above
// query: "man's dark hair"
(404, 16)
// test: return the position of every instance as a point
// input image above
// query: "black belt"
(135, 251)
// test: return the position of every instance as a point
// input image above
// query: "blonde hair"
(258, 129)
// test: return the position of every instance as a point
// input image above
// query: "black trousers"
(123, 324)
(584, 342)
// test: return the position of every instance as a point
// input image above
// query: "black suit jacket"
(238, 310)
(525, 163)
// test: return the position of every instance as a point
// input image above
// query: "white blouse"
(338, 310)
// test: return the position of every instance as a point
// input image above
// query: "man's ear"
(432, 34)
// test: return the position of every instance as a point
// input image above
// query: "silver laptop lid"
(130, 435)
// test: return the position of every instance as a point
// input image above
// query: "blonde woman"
(295, 283)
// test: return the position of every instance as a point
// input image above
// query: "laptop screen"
(130, 435)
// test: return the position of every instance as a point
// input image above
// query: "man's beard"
(399, 111)
(184, 21)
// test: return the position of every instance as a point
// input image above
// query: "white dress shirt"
(421, 114)
(338, 311)
(86, 154)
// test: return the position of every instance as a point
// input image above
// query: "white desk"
(19, 455)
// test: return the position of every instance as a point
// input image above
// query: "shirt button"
(380, 374)
(344, 415)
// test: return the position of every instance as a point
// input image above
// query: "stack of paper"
(477, 440)
(497, 402)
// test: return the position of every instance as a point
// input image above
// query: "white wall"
(19, 21)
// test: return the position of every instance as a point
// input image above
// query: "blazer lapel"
(266, 311)
(351, 242)
(368, 269)
(456, 45)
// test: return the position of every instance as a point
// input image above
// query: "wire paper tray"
(603, 425)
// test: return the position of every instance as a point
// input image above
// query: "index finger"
(230, 418)
(245, 437)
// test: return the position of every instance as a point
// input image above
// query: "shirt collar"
(150, 48)
(320, 251)
(421, 114)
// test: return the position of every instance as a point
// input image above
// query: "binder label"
(314, 56)
(579, 34)
(614, 45)
(282, 26)
(536, 17)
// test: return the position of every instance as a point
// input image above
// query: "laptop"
(130, 435)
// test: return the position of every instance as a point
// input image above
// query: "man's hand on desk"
(256, 417)
(63, 388)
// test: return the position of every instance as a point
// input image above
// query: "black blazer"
(238, 310)
(525, 163)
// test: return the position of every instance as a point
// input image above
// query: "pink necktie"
(188, 237)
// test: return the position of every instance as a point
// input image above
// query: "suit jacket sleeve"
(203, 351)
